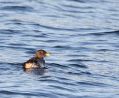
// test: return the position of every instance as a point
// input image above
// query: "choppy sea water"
(81, 35)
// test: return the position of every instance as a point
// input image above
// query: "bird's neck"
(38, 58)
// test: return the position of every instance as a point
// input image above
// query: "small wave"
(93, 84)
(17, 44)
(86, 1)
(58, 65)
(62, 47)
(5, 63)
(59, 28)
(79, 60)
(15, 21)
(40, 35)
(9, 2)
(61, 88)
(27, 50)
(79, 73)
(10, 67)
(10, 31)
(78, 1)
(16, 93)
(17, 8)
(112, 32)
(53, 40)
(78, 65)
(77, 7)
(104, 33)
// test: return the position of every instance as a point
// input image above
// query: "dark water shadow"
(19, 67)
(17, 8)
(36, 71)
(16, 93)
(104, 33)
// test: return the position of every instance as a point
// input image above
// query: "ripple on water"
(59, 66)
(17, 8)
(78, 65)
(62, 47)
(30, 94)
(90, 83)
(79, 60)
(9, 31)
(104, 33)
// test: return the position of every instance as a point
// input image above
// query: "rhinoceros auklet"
(37, 61)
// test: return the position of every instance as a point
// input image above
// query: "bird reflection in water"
(37, 71)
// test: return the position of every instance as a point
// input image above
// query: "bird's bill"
(47, 54)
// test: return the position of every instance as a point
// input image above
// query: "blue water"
(81, 35)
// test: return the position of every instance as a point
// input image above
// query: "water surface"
(83, 37)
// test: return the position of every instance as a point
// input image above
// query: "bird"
(37, 61)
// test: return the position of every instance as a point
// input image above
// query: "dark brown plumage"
(37, 61)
